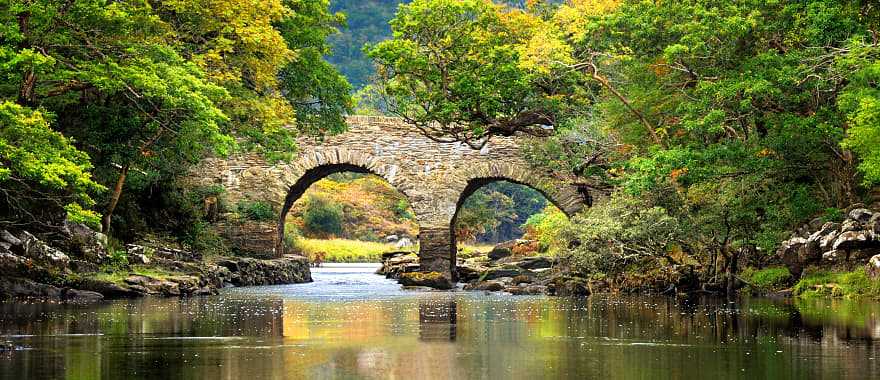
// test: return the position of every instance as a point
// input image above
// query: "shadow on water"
(350, 323)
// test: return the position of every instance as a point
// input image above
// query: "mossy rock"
(434, 280)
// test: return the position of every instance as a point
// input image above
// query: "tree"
(458, 70)
(41, 173)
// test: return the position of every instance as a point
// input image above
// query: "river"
(352, 324)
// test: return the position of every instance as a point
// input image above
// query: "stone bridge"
(436, 177)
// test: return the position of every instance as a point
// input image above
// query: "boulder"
(403, 243)
(873, 225)
(537, 262)
(500, 252)
(391, 239)
(84, 242)
(496, 273)
(490, 286)
(81, 266)
(138, 259)
(35, 249)
(468, 271)
(852, 240)
(434, 280)
(873, 267)
(850, 225)
(834, 257)
(526, 290)
(789, 254)
(815, 224)
(860, 215)
(13, 287)
(10, 238)
(75, 295)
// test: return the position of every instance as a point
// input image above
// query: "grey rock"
(81, 295)
(391, 238)
(12, 287)
(852, 240)
(498, 253)
(496, 273)
(538, 262)
(860, 215)
(35, 249)
(834, 257)
(850, 225)
(873, 267)
(9, 238)
(139, 259)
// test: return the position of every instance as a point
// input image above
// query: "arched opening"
(493, 211)
(345, 213)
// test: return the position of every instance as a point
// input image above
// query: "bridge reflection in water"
(438, 320)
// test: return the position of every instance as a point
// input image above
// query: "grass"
(345, 250)
(466, 251)
(767, 279)
(357, 251)
(855, 284)
(118, 276)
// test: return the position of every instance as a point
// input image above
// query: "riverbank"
(822, 258)
(79, 267)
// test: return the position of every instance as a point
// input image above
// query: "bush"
(401, 209)
(545, 227)
(621, 231)
(256, 210)
(201, 238)
(322, 217)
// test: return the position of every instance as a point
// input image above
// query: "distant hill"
(367, 23)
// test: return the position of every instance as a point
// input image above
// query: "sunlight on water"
(351, 323)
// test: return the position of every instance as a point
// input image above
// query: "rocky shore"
(854, 242)
(77, 267)
(498, 271)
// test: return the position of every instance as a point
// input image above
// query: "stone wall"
(435, 176)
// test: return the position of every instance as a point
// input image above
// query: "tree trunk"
(114, 199)
(733, 258)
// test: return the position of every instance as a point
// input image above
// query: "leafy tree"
(455, 70)
(322, 216)
(41, 173)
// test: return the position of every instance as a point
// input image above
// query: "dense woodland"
(713, 128)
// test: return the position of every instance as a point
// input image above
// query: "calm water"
(352, 324)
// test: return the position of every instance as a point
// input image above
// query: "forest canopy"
(101, 98)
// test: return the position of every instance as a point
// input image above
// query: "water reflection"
(314, 332)
(437, 319)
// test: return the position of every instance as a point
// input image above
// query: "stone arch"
(567, 197)
(317, 164)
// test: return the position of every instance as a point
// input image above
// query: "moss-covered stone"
(434, 280)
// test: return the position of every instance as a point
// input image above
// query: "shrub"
(201, 238)
(401, 209)
(545, 227)
(256, 210)
(618, 232)
(322, 217)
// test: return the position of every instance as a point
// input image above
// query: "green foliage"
(617, 233)
(200, 237)
(403, 210)
(118, 258)
(546, 227)
(41, 172)
(256, 210)
(768, 278)
(853, 284)
(456, 68)
(322, 216)
(146, 89)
